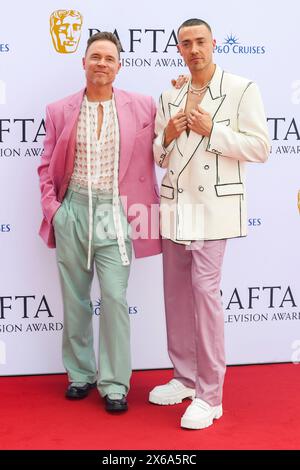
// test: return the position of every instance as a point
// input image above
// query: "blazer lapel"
(127, 129)
(212, 101)
(71, 112)
(68, 136)
(178, 103)
(214, 97)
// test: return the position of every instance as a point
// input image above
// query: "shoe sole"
(194, 424)
(116, 410)
(178, 398)
(75, 397)
(70, 396)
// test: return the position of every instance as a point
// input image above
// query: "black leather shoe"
(119, 404)
(76, 393)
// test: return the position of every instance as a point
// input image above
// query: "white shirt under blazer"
(209, 172)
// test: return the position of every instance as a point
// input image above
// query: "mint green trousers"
(71, 233)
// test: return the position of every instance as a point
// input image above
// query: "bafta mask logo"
(65, 29)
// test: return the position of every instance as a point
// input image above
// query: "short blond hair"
(105, 36)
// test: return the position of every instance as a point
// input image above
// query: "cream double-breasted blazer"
(203, 191)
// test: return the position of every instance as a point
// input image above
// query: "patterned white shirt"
(96, 166)
(102, 149)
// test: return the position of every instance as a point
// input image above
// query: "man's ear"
(83, 63)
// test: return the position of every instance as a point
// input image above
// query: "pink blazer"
(137, 179)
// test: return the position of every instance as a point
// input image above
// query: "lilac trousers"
(194, 315)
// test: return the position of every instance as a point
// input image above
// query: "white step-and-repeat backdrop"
(38, 65)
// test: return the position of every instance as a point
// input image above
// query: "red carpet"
(261, 411)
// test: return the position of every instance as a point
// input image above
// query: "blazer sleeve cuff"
(51, 210)
(212, 145)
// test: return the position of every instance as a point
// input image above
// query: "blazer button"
(206, 167)
(180, 190)
(201, 188)
(142, 178)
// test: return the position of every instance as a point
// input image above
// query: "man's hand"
(175, 127)
(180, 81)
(200, 121)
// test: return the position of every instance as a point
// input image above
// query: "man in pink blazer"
(99, 197)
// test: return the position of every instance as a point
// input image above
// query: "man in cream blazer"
(205, 133)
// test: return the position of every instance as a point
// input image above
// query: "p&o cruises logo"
(132, 310)
(65, 29)
(4, 228)
(4, 47)
(233, 45)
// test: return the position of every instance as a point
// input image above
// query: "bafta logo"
(65, 29)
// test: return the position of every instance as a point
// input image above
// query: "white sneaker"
(200, 415)
(171, 393)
